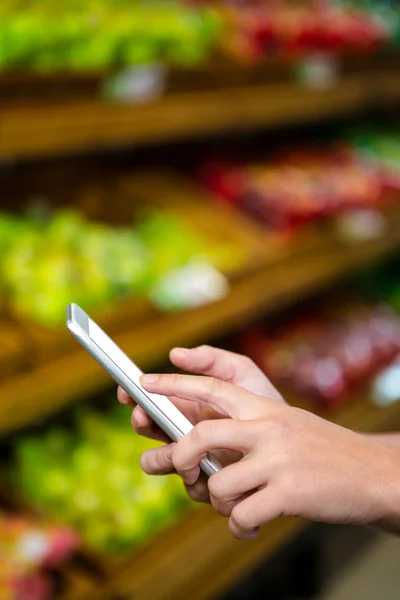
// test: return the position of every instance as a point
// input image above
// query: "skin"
(278, 460)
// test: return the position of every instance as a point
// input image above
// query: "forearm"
(391, 439)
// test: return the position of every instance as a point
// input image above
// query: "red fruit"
(33, 587)
(63, 543)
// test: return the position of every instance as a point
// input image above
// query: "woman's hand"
(294, 463)
(206, 360)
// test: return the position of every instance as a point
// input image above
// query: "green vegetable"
(89, 477)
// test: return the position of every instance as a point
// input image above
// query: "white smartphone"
(127, 375)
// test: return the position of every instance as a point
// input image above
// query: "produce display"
(89, 477)
(98, 35)
(289, 29)
(29, 549)
(312, 183)
(48, 260)
(324, 357)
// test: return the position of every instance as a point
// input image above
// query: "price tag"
(139, 84)
(318, 71)
(386, 389)
(196, 284)
(361, 226)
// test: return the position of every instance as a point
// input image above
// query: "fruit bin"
(182, 33)
(238, 245)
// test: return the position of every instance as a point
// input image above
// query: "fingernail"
(149, 378)
(254, 533)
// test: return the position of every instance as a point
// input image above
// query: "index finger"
(225, 398)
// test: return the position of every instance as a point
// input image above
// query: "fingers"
(199, 490)
(144, 426)
(207, 436)
(124, 398)
(223, 397)
(227, 366)
(206, 360)
(232, 483)
(247, 516)
(158, 461)
(141, 422)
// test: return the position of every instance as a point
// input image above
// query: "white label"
(361, 225)
(140, 84)
(386, 389)
(196, 284)
(318, 71)
(33, 547)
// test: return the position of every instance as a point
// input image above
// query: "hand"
(221, 364)
(293, 464)
(205, 360)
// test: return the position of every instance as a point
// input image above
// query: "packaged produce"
(98, 36)
(305, 185)
(323, 358)
(261, 28)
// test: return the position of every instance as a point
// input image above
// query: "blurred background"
(222, 172)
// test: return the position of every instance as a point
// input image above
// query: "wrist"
(387, 489)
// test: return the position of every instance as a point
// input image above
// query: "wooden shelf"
(197, 558)
(50, 385)
(55, 127)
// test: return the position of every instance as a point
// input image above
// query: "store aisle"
(374, 574)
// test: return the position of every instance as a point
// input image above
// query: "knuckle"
(246, 361)
(214, 385)
(200, 432)
(240, 518)
(223, 508)
(135, 425)
(198, 492)
(163, 457)
(205, 347)
(176, 378)
(177, 459)
(216, 487)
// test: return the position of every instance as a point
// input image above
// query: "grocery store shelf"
(63, 379)
(56, 127)
(199, 559)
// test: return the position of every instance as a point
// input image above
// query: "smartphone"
(127, 375)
